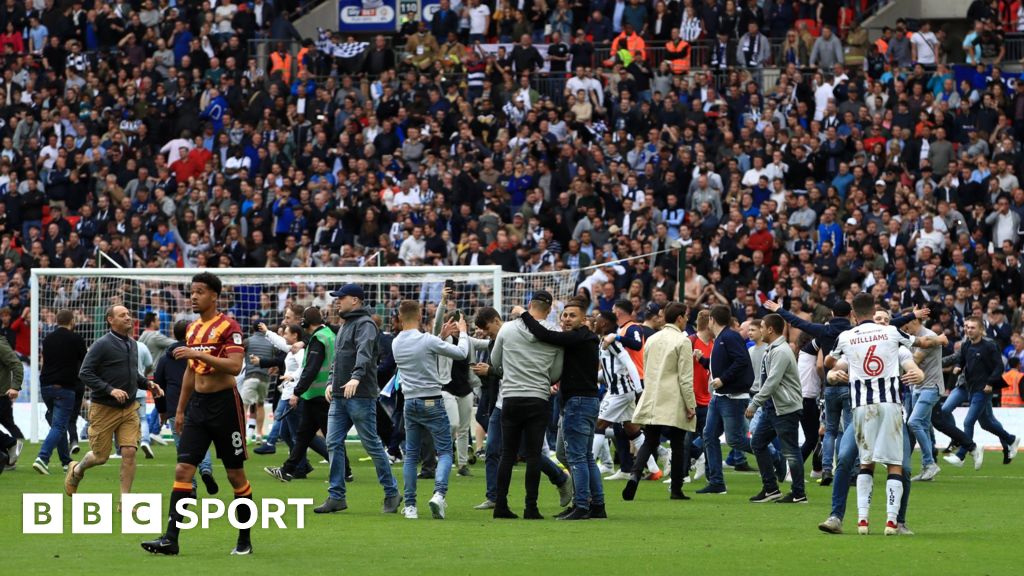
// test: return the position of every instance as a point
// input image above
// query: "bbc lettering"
(142, 513)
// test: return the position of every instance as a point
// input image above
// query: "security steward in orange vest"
(678, 53)
(281, 61)
(1011, 395)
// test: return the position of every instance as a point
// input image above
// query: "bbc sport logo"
(143, 513)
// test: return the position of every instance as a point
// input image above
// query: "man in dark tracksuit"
(578, 392)
(311, 389)
(981, 364)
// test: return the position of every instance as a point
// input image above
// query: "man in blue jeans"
(354, 403)
(731, 379)
(837, 398)
(416, 355)
(921, 400)
(981, 364)
(580, 406)
(780, 398)
(63, 352)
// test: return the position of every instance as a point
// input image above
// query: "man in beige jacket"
(667, 406)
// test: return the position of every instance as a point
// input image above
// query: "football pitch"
(966, 522)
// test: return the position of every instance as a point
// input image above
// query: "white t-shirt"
(478, 19)
(925, 42)
(872, 351)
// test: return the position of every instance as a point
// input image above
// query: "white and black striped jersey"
(872, 351)
(618, 371)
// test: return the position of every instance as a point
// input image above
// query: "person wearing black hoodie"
(170, 372)
(580, 406)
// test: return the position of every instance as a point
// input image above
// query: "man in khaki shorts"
(110, 371)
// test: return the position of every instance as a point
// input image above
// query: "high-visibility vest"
(679, 56)
(636, 355)
(282, 63)
(1011, 394)
(300, 59)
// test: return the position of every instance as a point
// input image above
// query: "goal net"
(262, 295)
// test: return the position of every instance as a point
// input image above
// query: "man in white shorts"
(622, 380)
(872, 351)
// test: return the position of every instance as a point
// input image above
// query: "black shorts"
(215, 418)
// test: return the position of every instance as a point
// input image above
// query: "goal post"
(249, 295)
(261, 294)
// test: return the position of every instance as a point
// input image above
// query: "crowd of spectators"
(861, 165)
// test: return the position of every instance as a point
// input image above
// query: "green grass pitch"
(967, 522)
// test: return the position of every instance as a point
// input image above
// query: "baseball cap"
(542, 296)
(880, 183)
(354, 290)
(651, 310)
(851, 221)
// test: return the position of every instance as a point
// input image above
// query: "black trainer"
(532, 514)
(162, 545)
(826, 478)
(210, 482)
(504, 514)
(629, 492)
(678, 496)
(744, 467)
(565, 512)
(576, 514)
(792, 498)
(597, 512)
(331, 505)
(766, 496)
(242, 549)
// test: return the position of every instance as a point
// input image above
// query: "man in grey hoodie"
(827, 51)
(781, 401)
(352, 391)
(528, 368)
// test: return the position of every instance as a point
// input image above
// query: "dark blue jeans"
(787, 428)
(60, 404)
(579, 419)
(837, 408)
(724, 414)
(979, 412)
(493, 458)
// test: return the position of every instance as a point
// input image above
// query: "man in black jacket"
(352, 392)
(111, 371)
(169, 374)
(63, 352)
(580, 405)
(981, 364)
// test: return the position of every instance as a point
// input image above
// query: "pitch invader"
(872, 351)
(214, 410)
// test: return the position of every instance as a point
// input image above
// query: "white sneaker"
(16, 452)
(954, 460)
(701, 468)
(815, 474)
(620, 475)
(147, 450)
(902, 530)
(410, 512)
(929, 472)
(1011, 454)
(604, 469)
(438, 506)
(158, 439)
(979, 456)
